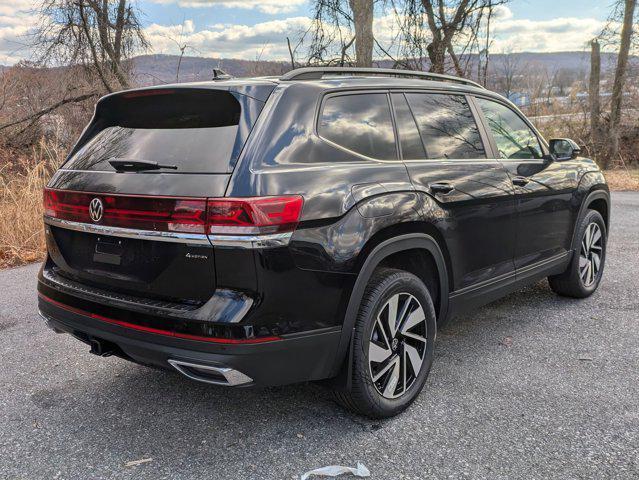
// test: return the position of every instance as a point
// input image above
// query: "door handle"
(441, 187)
(520, 181)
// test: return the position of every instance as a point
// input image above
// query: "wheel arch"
(408, 242)
(599, 200)
(597, 197)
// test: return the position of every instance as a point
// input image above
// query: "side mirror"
(564, 148)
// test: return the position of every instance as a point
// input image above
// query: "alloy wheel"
(590, 254)
(397, 345)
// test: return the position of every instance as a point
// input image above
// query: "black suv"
(317, 226)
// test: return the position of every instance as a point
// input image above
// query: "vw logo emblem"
(96, 209)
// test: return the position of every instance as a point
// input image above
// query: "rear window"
(361, 123)
(197, 131)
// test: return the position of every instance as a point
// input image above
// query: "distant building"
(521, 99)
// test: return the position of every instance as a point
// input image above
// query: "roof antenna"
(219, 74)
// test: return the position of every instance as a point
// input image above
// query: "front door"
(471, 195)
(543, 187)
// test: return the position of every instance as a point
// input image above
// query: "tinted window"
(362, 123)
(447, 126)
(513, 137)
(195, 130)
(409, 139)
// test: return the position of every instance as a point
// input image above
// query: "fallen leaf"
(507, 342)
(133, 463)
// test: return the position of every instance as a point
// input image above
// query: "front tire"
(584, 273)
(393, 345)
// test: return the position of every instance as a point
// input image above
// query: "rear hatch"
(126, 212)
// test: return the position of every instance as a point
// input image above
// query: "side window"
(513, 137)
(361, 123)
(447, 126)
(409, 139)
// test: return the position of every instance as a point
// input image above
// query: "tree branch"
(55, 106)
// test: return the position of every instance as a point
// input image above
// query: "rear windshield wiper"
(138, 165)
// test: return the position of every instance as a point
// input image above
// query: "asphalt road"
(533, 386)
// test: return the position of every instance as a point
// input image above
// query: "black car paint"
(486, 237)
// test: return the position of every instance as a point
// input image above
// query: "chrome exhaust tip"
(209, 374)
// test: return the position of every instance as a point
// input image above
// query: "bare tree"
(593, 92)
(510, 69)
(444, 29)
(629, 7)
(334, 22)
(98, 34)
(484, 54)
(34, 99)
(182, 46)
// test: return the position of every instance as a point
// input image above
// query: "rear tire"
(583, 275)
(393, 345)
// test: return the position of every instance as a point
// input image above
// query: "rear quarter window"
(360, 123)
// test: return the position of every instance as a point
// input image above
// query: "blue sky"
(258, 28)
(170, 12)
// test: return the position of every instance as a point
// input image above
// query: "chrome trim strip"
(190, 238)
(251, 241)
(233, 377)
(238, 241)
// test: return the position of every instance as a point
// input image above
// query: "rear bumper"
(289, 359)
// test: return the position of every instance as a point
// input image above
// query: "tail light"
(218, 216)
(254, 215)
(164, 214)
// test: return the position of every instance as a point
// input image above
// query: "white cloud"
(557, 34)
(270, 7)
(502, 12)
(266, 39)
(16, 21)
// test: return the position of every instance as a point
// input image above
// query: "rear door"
(143, 232)
(445, 153)
(543, 188)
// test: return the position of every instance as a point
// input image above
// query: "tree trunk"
(436, 48)
(593, 93)
(620, 77)
(363, 18)
(437, 55)
(443, 33)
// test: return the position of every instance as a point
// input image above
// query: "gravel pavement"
(533, 386)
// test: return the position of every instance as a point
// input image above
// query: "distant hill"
(160, 68)
(556, 60)
(155, 69)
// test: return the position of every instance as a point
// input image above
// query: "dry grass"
(622, 179)
(21, 184)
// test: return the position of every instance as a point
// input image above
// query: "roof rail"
(317, 73)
